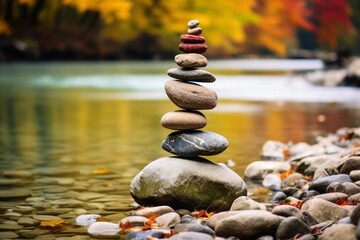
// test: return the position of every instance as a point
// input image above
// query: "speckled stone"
(191, 60)
(193, 47)
(183, 120)
(193, 143)
(190, 95)
(193, 23)
(196, 75)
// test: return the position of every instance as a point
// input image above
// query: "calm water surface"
(65, 117)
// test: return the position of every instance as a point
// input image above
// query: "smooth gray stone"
(332, 197)
(290, 227)
(194, 143)
(193, 227)
(352, 163)
(246, 203)
(213, 220)
(197, 75)
(321, 184)
(287, 211)
(193, 183)
(348, 188)
(158, 210)
(168, 220)
(323, 210)
(248, 224)
(143, 235)
(191, 236)
(8, 235)
(190, 95)
(339, 231)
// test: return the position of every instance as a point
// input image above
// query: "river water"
(56, 118)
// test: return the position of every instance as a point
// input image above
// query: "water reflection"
(73, 129)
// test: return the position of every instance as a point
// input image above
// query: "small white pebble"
(86, 219)
(271, 179)
(103, 229)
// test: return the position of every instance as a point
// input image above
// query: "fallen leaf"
(100, 171)
(151, 223)
(203, 214)
(53, 223)
(102, 219)
(297, 204)
(285, 174)
(126, 225)
(344, 202)
(262, 191)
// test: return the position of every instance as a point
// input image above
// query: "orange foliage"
(295, 204)
(279, 19)
(125, 225)
(262, 191)
(101, 171)
(285, 174)
(203, 214)
(151, 223)
(344, 202)
(54, 225)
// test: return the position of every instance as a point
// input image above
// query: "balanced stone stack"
(187, 180)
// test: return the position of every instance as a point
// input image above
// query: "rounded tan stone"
(183, 120)
(190, 95)
(195, 31)
(191, 60)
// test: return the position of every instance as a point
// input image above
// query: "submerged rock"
(194, 183)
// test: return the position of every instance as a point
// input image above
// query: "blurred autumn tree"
(148, 29)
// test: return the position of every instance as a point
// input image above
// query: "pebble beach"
(294, 191)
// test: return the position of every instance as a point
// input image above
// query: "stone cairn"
(187, 180)
(191, 97)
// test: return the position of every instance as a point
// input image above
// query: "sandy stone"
(183, 119)
(191, 60)
(190, 95)
(195, 31)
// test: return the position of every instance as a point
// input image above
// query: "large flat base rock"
(190, 183)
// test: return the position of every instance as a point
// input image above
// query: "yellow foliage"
(53, 223)
(27, 2)
(110, 10)
(101, 171)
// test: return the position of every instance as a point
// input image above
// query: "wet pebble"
(193, 227)
(14, 193)
(290, 227)
(323, 210)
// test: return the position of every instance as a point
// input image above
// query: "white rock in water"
(273, 150)
(86, 219)
(259, 169)
(103, 229)
(271, 179)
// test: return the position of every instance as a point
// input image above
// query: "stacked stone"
(191, 97)
(187, 180)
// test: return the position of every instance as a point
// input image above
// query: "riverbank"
(295, 190)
